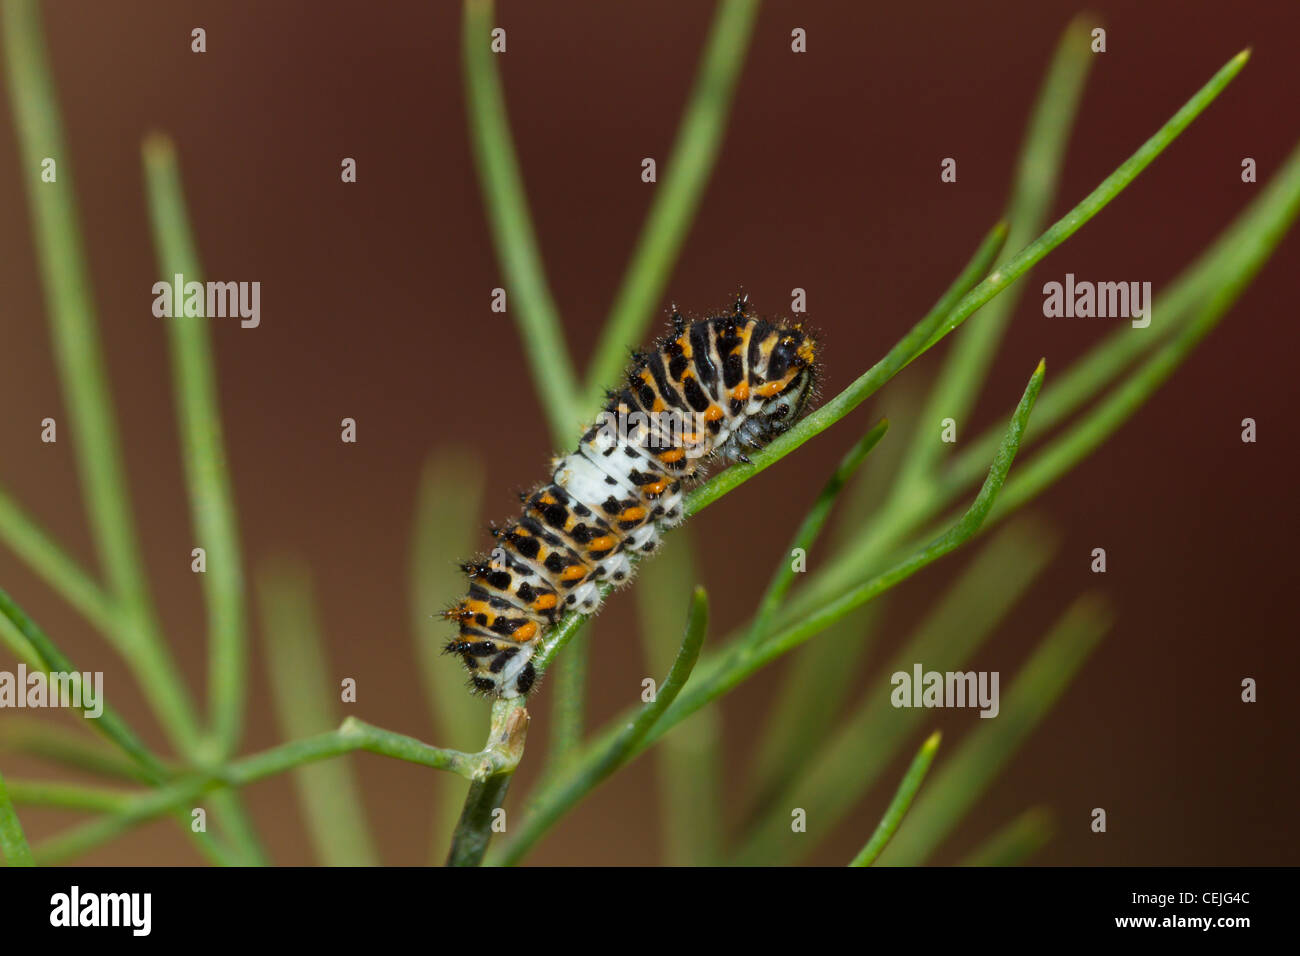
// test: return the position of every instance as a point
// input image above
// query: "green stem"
(533, 308)
(736, 663)
(1233, 277)
(54, 566)
(39, 738)
(693, 805)
(1237, 254)
(13, 844)
(1246, 243)
(1094, 202)
(303, 695)
(352, 735)
(625, 744)
(739, 661)
(897, 809)
(194, 385)
(529, 301)
(488, 787)
(65, 796)
(569, 702)
(983, 754)
(1033, 189)
(809, 531)
(859, 391)
(926, 334)
(78, 354)
(108, 723)
(446, 525)
(848, 754)
(486, 798)
(1016, 842)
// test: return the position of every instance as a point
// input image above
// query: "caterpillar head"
(792, 366)
(790, 374)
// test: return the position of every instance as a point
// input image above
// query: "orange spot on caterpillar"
(545, 602)
(524, 632)
(741, 392)
(603, 543)
(672, 454)
(635, 513)
(573, 572)
(713, 413)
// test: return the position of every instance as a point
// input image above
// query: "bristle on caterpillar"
(714, 387)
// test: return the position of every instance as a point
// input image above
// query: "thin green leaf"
(19, 646)
(1016, 842)
(677, 198)
(352, 735)
(822, 675)
(64, 796)
(850, 759)
(733, 665)
(1094, 202)
(807, 535)
(897, 809)
(1033, 189)
(859, 391)
(983, 754)
(60, 745)
(446, 525)
(54, 566)
(78, 355)
(824, 672)
(108, 723)
(849, 399)
(13, 844)
(502, 183)
(569, 701)
(1230, 282)
(810, 530)
(302, 694)
(688, 763)
(624, 745)
(737, 664)
(1237, 253)
(926, 334)
(212, 509)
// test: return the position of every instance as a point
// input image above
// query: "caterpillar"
(711, 388)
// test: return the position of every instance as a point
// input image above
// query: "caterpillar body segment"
(712, 388)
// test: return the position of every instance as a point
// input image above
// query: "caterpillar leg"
(497, 668)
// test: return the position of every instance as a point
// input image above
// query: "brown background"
(828, 181)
